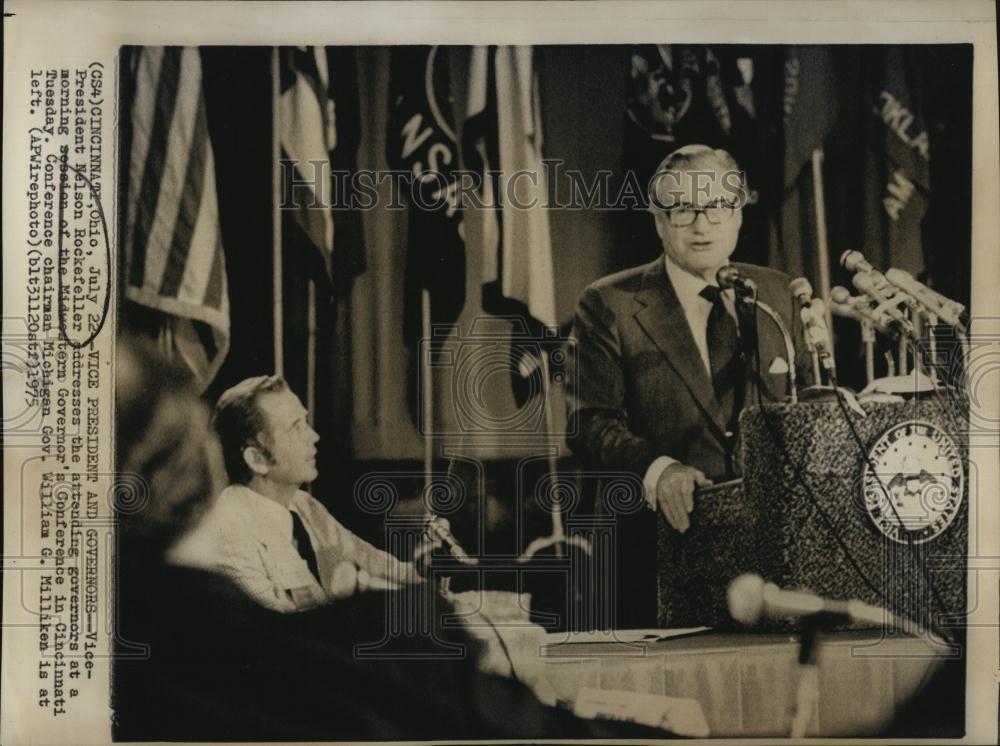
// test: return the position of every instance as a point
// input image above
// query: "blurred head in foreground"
(169, 464)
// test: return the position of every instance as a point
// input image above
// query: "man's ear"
(659, 217)
(257, 460)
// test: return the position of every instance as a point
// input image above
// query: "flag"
(502, 139)
(173, 245)
(421, 142)
(897, 159)
(680, 95)
(348, 259)
(308, 132)
(810, 106)
(809, 111)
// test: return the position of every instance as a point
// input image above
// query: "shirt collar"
(686, 285)
(272, 517)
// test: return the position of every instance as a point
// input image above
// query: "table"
(746, 683)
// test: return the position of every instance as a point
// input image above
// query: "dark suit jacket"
(639, 389)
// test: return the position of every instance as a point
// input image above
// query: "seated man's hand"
(344, 580)
(675, 493)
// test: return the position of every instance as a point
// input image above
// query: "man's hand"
(675, 493)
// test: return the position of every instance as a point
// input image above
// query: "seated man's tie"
(304, 545)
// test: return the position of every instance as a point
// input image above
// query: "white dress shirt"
(248, 538)
(696, 310)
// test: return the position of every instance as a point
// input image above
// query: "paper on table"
(620, 635)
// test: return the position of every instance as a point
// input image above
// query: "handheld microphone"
(949, 311)
(750, 600)
(729, 278)
(843, 304)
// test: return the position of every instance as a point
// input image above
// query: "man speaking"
(662, 374)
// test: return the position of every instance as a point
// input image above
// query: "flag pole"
(311, 352)
(558, 534)
(278, 316)
(822, 248)
(427, 387)
(557, 539)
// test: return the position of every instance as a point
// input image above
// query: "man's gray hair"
(704, 159)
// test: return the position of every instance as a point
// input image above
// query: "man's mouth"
(701, 245)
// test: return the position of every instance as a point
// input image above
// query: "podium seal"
(913, 482)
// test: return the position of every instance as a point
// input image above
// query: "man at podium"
(666, 361)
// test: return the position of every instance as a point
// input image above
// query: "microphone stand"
(901, 355)
(557, 540)
(751, 299)
(807, 689)
(868, 340)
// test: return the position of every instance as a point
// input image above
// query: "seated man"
(274, 541)
(197, 660)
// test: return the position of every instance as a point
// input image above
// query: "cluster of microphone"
(893, 304)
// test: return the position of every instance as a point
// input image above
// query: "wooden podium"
(887, 524)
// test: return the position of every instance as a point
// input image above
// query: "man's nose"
(700, 224)
(313, 436)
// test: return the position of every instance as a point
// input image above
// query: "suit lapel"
(662, 318)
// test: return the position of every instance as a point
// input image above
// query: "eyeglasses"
(716, 213)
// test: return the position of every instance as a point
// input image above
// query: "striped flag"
(308, 135)
(173, 244)
(521, 265)
(503, 130)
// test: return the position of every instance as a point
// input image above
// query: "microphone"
(854, 262)
(843, 304)
(880, 289)
(729, 278)
(949, 311)
(813, 314)
(866, 284)
(802, 291)
(440, 529)
(870, 281)
(750, 600)
(816, 333)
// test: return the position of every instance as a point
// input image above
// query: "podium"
(886, 523)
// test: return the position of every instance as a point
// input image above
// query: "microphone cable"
(778, 442)
(921, 564)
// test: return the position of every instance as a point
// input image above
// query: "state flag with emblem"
(679, 95)
(896, 175)
(421, 142)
